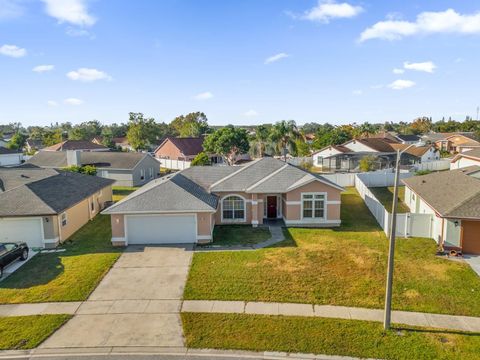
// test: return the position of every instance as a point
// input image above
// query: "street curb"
(207, 353)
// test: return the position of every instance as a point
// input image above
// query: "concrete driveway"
(136, 304)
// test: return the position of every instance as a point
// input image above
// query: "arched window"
(233, 208)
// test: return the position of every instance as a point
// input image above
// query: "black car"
(9, 252)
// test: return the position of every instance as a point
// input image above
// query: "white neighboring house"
(465, 159)
(3, 142)
(10, 157)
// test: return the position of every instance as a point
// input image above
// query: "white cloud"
(75, 32)
(398, 71)
(43, 68)
(329, 9)
(448, 21)
(73, 101)
(70, 11)
(251, 113)
(275, 58)
(12, 51)
(203, 96)
(427, 66)
(401, 84)
(52, 103)
(88, 75)
(10, 9)
(357, 92)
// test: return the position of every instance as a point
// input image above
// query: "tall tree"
(17, 141)
(52, 137)
(261, 141)
(86, 130)
(228, 142)
(141, 131)
(284, 135)
(191, 125)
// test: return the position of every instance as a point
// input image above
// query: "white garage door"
(161, 229)
(27, 230)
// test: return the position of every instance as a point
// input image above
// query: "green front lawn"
(65, 276)
(385, 196)
(119, 192)
(325, 336)
(27, 332)
(342, 266)
(231, 235)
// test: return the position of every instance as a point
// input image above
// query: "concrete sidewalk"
(451, 322)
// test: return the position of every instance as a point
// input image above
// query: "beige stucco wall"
(292, 212)
(50, 227)
(79, 214)
(248, 208)
(118, 225)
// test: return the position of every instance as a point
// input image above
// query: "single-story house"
(80, 145)
(347, 156)
(125, 168)
(44, 207)
(182, 149)
(122, 143)
(465, 159)
(408, 138)
(453, 197)
(185, 206)
(10, 157)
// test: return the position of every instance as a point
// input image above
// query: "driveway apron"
(136, 304)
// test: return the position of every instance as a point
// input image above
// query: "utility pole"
(387, 321)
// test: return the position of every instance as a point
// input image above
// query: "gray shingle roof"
(12, 177)
(101, 159)
(454, 193)
(190, 189)
(49, 195)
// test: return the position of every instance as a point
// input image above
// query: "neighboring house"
(10, 157)
(466, 159)
(44, 207)
(126, 168)
(122, 143)
(453, 197)
(420, 154)
(456, 142)
(81, 145)
(309, 138)
(32, 145)
(408, 139)
(347, 156)
(185, 206)
(3, 142)
(181, 150)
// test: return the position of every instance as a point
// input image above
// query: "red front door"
(271, 207)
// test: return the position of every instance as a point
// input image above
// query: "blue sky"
(240, 62)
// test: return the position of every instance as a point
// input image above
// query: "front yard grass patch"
(385, 196)
(325, 336)
(119, 192)
(65, 276)
(27, 332)
(339, 266)
(231, 235)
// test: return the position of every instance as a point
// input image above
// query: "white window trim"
(61, 219)
(244, 210)
(325, 207)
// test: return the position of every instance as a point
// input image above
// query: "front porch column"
(254, 207)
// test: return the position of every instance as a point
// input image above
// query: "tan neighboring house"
(453, 197)
(9, 157)
(184, 207)
(455, 142)
(76, 145)
(44, 207)
(465, 159)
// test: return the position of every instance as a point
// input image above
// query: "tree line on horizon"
(278, 139)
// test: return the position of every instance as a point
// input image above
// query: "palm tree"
(261, 141)
(283, 134)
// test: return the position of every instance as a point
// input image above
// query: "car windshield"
(3, 249)
(10, 247)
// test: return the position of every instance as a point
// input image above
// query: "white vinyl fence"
(408, 224)
(174, 164)
(346, 179)
(436, 165)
